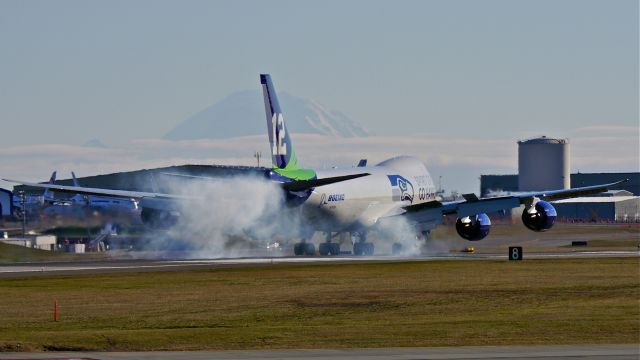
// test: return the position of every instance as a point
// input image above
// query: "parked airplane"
(359, 198)
(33, 202)
(106, 203)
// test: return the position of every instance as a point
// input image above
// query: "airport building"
(617, 207)
(543, 163)
(620, 205)
(6, 203)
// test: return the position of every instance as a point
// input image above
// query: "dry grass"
(437, 303)
(10, 254)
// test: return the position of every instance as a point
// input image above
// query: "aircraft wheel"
(358, 249)
(309, 249)
(396, 248)
(334, 249)
(368, 249)
(298, 249)
(324, 249)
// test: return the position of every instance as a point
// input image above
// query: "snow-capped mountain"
(242, 114)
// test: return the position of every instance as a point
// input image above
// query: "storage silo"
(543, 164)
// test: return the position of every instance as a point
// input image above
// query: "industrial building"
(6, 203)
(599, 209)
(42, 242)
(543, 163)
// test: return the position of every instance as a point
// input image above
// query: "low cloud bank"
(460, 161)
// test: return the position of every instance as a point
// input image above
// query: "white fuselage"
(360, 203)
(106, 202)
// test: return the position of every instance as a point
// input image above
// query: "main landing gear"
(329, 248)
(362, 247)
(304, 248)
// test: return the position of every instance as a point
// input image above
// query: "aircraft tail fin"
(75, 180)
(282, 153)
(48, 194)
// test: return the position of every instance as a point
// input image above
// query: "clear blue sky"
(75, 70)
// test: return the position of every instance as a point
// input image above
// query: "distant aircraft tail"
(48, 194)
(75, 180)
(282, 153)
(78, 198)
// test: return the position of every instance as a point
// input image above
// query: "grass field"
(10, 254)
(433, 303)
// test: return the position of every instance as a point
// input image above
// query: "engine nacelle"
(539, 217)
(473, 228)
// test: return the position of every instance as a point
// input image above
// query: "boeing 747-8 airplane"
(358, 199)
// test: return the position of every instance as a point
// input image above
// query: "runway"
(617, 352)
(149, 265)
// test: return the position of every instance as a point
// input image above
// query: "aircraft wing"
(472, 205)
(296, 185)
(102, 192)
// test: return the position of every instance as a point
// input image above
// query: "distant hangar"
(621, 206)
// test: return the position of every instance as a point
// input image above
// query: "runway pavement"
(592, 352)
(146, 265)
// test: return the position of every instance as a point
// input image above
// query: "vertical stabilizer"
(75, 180)
(47, 196)
(77, 198)
(282, 153)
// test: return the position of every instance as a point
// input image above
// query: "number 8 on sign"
(515, 253)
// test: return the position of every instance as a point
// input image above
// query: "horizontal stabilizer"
(301, 185)
(470, 197)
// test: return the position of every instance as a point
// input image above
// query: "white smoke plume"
(226, 217)
(247, 216)
(399, 230)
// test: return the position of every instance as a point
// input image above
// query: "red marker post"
(55, 310)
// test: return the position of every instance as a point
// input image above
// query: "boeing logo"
(324, 200)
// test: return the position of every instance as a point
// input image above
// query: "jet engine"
(473, 228)
(540, 216)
